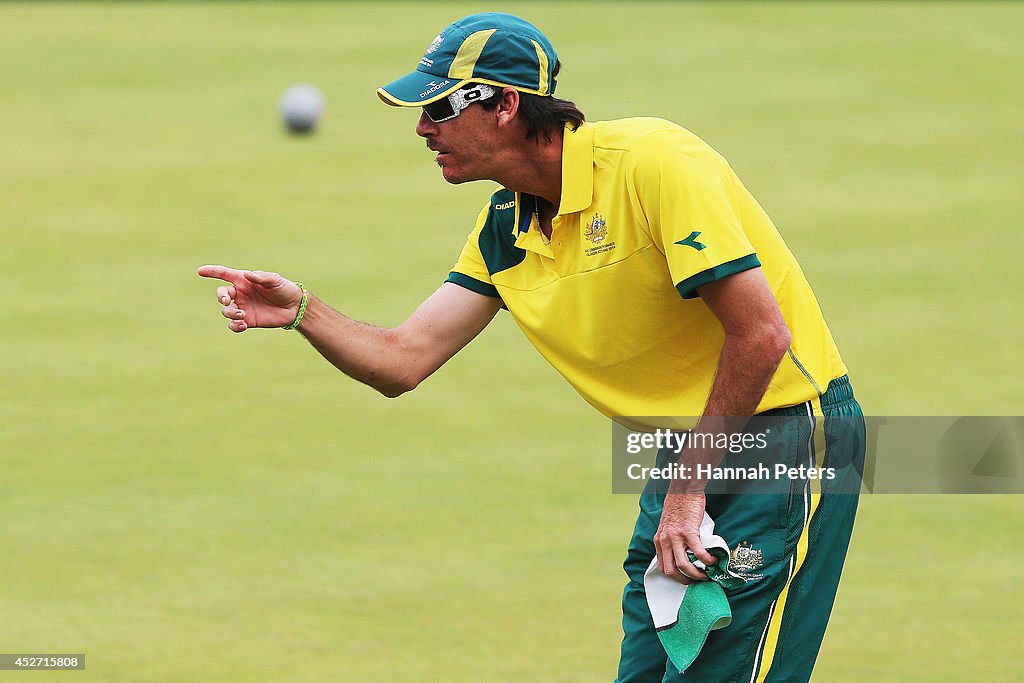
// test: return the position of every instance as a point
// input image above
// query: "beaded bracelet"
(302, 307)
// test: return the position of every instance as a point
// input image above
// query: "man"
(637, 263)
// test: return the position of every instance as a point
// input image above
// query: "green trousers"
(790, 545)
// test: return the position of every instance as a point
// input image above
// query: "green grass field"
(184, 504)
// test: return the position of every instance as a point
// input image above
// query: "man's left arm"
(756, 340)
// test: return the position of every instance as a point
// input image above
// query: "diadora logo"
(506, 205)
(434, 86)
(691, 241)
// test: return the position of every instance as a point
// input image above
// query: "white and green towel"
(685, 615)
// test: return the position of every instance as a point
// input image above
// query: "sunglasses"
(449, 107)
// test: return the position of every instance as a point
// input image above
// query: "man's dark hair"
(543, 114)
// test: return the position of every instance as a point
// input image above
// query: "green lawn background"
(184, 504)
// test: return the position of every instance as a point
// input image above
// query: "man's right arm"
(394, 361)
(391, 360)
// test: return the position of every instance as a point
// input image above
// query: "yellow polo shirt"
(648, 214)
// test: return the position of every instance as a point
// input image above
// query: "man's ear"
(507, 106)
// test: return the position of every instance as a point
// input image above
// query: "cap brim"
(417, 89)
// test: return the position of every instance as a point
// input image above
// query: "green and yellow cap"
(492, 47)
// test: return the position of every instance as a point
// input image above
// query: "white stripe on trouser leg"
(760, 672)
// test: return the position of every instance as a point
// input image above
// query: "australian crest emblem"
(596, 231)
(745, 558)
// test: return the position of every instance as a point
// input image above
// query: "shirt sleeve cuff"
(472, 284)
(688, 287)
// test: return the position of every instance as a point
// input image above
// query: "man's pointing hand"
(254, 298)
